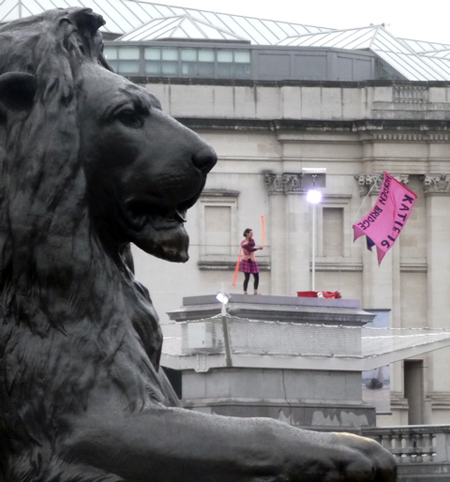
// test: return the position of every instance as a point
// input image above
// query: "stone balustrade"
(420, 450)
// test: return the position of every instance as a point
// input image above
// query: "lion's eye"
(130, 118)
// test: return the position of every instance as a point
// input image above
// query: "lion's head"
(142, 169)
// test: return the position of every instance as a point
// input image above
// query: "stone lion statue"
(89, 164)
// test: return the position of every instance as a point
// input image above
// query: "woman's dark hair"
(247, 231)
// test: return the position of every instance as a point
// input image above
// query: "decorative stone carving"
(292, 183)
(436, 183)
(274, 183)
(372, 182)
(286, 183)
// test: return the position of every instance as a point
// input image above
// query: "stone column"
(278, 233)
(299, 242)
(381, 284)
(290, 232)
(437, 201)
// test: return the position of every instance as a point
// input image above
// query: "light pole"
(314, 196)
(224, 298)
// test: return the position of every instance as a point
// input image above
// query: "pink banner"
(387, 218)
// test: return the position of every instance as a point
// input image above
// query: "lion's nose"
(205, 159)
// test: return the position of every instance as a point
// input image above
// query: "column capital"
(286, 183)
(436, 183)
(372, 182)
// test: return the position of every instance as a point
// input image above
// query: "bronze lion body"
(89, 164)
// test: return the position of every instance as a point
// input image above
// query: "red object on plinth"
(319, 294)
(307, 294)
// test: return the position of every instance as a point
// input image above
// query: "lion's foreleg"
(170, 445)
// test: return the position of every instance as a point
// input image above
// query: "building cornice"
(388, 130)
(397, 84)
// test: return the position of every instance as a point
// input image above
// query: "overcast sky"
(419, 20)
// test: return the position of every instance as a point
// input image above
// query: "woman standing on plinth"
(248, 264)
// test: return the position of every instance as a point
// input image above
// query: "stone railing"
(418, 449)
(410, 94)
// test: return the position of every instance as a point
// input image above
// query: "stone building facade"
(264, 134)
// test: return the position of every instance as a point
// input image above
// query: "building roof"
(124, 16)
(180, 27)
(141, 21)
(413, 59)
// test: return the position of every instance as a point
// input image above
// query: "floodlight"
(223, 297)
(314, 196)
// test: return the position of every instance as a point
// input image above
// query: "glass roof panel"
(293, 29)
(385, 41)
(247, 30)
(265, 31)
(211, 18)
(444, 54)
(423, 46)
(155, 29)
(360, 41)
(342, 38)
(136, 20)
(142, 14)
(159, 29)
(303, 40)
(126, 16)
(398, 63)
(408, 66)
(9, 10)
(442, 68)
(328, 39)
(278, 31)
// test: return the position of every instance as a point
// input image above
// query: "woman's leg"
(255, 282)
(246, 279)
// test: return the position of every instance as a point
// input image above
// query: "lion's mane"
(56, 276)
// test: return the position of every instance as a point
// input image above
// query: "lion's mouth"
(140, 215)
(158, 229)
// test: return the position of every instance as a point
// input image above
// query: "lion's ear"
(87, 21)
(17, 91)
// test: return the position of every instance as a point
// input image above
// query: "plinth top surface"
(274, 300)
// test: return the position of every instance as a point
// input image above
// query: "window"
(181, 62)
(217, 229)
(218, 236)
(242, 61)
(225, 63)
(333, 242)
(333, 218)
(206, 63)
(169, 62)
(124, 59)
(189, 62)
(110, 54)
(152, 58)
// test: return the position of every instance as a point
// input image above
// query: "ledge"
(209, 263)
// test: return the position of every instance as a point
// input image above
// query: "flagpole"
(313, 196)
(313, 274)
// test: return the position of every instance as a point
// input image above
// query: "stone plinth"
(254, 360)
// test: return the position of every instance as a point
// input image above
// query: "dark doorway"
(413, 378)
